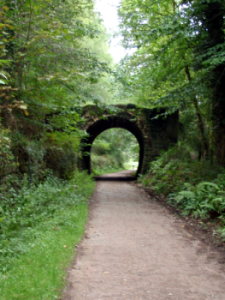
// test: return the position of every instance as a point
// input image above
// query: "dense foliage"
(179, 62)
(54, 58)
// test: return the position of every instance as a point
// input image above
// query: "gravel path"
(135, 249)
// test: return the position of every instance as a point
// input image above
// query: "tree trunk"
(201, 126)
(215, 22)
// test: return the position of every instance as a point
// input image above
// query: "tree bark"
(214, 14)
(201, 125)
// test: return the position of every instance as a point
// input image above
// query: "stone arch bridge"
(154, 130)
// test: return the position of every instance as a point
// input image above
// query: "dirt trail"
(135, 249)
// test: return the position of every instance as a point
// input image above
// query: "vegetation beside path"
(54, 59)
(39, 236)
(195, 187)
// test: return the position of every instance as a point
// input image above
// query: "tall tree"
(211, 47)
(53, 58)
(163, 73)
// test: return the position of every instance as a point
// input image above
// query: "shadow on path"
(127, 175)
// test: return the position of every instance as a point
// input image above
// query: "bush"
(204, 200)
(61, 160)
(29, 154)
(8, 163)
(61, 154)
(174, 168)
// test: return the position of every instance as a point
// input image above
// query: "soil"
(135, 248)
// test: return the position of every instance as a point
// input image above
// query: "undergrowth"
(39, 227)
(196, 188)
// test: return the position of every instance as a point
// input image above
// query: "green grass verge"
(39, 272)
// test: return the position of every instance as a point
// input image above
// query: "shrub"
(203, 200)
(29, 154)
(8, 163)
(61, 154)
(174, 168)
(61, 160)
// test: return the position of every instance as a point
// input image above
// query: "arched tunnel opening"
(103, 125)
(115, 150)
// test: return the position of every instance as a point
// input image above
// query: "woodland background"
(54, 58)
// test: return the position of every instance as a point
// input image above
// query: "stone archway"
(154, 129)
(111, 122)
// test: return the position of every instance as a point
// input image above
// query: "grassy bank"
(38, 237)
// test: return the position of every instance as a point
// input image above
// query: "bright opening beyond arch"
(114, 150)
